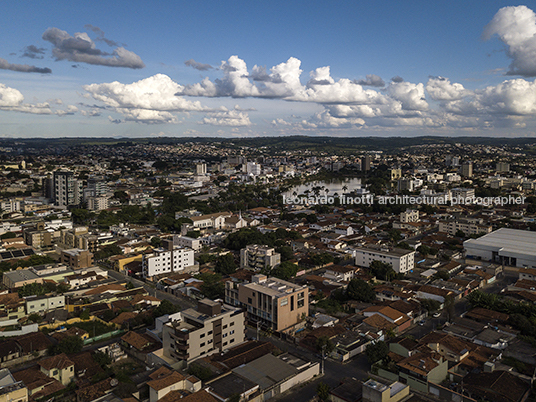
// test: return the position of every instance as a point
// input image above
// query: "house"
(59, 367)
(163, 381)
(400, 320)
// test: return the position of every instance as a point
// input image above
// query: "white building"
(467, 226)
(42, 304)
(185, 241)
(163, 261)
(510, 247)
(211, 221)
(201, 168)
(10, 205)
(462, 193)
(257, 257)
(253, 168)
(401, 260)
(409, 215)
(97, 203)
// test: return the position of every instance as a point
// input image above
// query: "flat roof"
(507, 240)
(266, 371)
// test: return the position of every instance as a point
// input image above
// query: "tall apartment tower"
(201, 168)
(365, 163)
(467, 169)
(65, 188)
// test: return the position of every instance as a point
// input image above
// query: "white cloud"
(233, 118)
(516, 27)
(11, 99)
(441, 89)
(411, 96)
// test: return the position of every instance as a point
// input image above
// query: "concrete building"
(185, 241)
(42, 304)
(10, 205)
(201, 168)
(59, 367)
(275, 303)
(97, 203)
(467, 226)
(212, 328)
(257, 257)
(77, 258)
(460, 192)
(253, 168)
(401, 260)
(365, 163)
(376, 391)
(405, 184)
(395, 174)
(167, 259)
(467, 169)
(211, 221)
(502, 167)
(409, 215)
(12, 390)
(37, 236)
(65, 188)
(504, 246)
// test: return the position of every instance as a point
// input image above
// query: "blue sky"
(346, 68)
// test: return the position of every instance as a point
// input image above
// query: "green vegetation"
(201, 372)
(32, 261)
(165, 307)
(69, 345)
(322, 391)
(382, 270)
(285, 270)
(225, 264)
(212, 286)
(360, 290)
(377, 351)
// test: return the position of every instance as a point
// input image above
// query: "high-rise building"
(365, 163)
(65, 188)
(503, 167)
(467, 169)
(257, 257)
(201, 168)
(97, 186)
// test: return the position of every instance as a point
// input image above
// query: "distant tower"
(201, 168)
(467, 169)
(64, 188)
(365, 163)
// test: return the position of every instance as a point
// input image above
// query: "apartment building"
(66, 189)
(409, 215)
(257, 257)
(401, 260)
(77, 258)
(167, 259)
(185, 241)
(212, 328)
(42, 304)
(97, 203)
(275, 303)
(36, 236)
(467, 226)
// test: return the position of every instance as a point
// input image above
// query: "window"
(231, 324)
(225, 326)
(203, 344)
(284, 302)
(202, 335)
(231, 332)
(209, 332)
(250, 301)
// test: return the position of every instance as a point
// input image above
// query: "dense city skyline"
(209, 69)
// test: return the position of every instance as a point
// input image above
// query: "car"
(436, 315)
(422, 322)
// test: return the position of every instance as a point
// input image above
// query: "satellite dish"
(114, 382)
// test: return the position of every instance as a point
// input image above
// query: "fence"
(104, 336)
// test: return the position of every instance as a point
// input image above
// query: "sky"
(279, 68)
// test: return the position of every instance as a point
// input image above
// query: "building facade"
(401, 260)
(257, 257)
(166, 260)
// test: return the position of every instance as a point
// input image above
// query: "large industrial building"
(510, 247)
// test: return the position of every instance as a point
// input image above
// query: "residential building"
(502, 167)
(504, 246)
(395, 174)
(365, 163)
(257, 257)
(467, 169)
(66, 188)
(10, 205)
(77, 258)
(201, 168)
(97, 203)
(401, 260)
(12, 390)
(211, 221)
(42, 304)
(37, 236)
(11, 308)
(167, 259)
(253, 168)
(212, 328)
(462, 193)
(163, 381)
(185, 241)
(59, 367)
(409, 215)
(405, 184)
(467, 226)
(273, 302)
(376, 391)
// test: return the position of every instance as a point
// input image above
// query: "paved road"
(333, 371)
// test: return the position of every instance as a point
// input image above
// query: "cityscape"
(247, 202)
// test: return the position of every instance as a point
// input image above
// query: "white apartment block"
(185, 241)
(212, 328)
(401, 260)
(97, 203)
(253, 168)
(42, 304)
(462, 193)
(164, 261)
(468, 227)
(211, 221)
(409, 215)
(257, 257)
(10, 205)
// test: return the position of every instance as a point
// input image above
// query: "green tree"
(84, 315)
(103, 359)
(81, 215)
(201, 372)
(156, 241)
(382, 270)
(69, 345)
(377, 351)
(360, 290)
(225, 264)
(35, 318)
(324, 344)
(285, 270)
(322, 391)
(212, 287)
(165, 307)
(8, 235)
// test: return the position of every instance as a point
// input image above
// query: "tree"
(130, 286)
(377, 351)
(285, 270)
(459, 233)
(212, 286)
(322, 391)
(165, 307)
(382, 270)
(201, 372)
(225, 264)
(84, 315)
(325, 345)
(8, 235)
(35, 318)
(360, 290)
(69, 345)
(156, 241)
(103, 359)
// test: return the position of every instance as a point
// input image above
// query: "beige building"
(212, 328)
(12, 390)
(468, 227)
(257, 257)
(36, 235)
(42, 304)
(59, 367)
(77, 258)
(275, 303)
(376, 391)
(163, 381)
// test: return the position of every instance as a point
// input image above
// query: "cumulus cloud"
(12, 100)
(81, 48)
(372, 80)
(197, 65)
(33, 52)
(151, 100)
(397, 79)
(441, 89)
(411, 96)
(232, 118)
(23, 68)
(516, 27)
